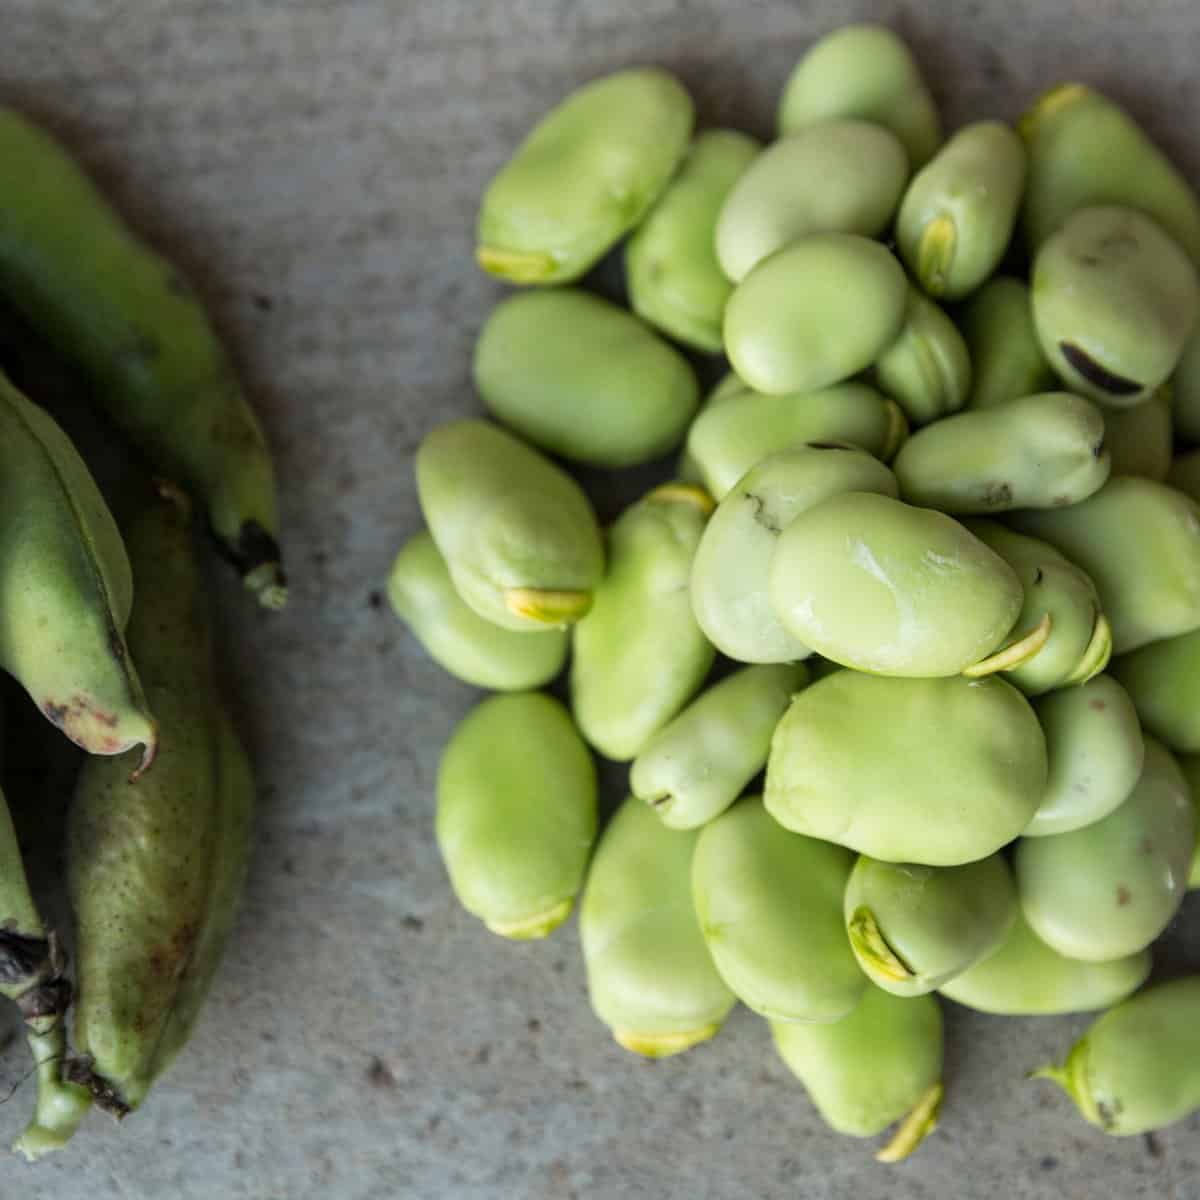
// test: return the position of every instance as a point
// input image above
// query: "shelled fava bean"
(931, 500)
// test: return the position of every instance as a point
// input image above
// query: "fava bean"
(1006, 357)
(1189, 764)
(1163, 680)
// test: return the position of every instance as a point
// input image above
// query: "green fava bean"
(731, 575)
(1137, 1068)
(1163, 680)
(1037, 452)
(516, 813)
(1006, 357)
(737, 430)
(1086, 150)
(584, 176)
(880, 586)
(1189, 764)
(1140, 543)
(1138, 439)
(583, 378)
(1109, 889)
(1096, 753)
(1061, 601)
(913, 928)
(840, 176)
(770, 905)
(1185, 392)
(688, 470)
(818, 311)
(871, 1068)
(1184, 474)
(517, 533)
(693, 769)
(958, 214)
(1025, 978)
(1114, 300)
(639, 655)
(863, 71)
(423, 596)
(650, 976)
(674, 279)
(927, 368)
(938, 772)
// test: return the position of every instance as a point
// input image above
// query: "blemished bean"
(731, 574)
(1140, 543)
(1137, 1067)
(639, 656)
(516, 813)
(871, 1068)
(517, 533)
(840, 176)
(1085, 150)
(1163, 680)
(738, 429)
(818, 311)
(671, 268)
(650, 976)
(927, 368)
(582, 378)
(1108, 890)
(932, 771)
(1138, 439)
(863, 71)
(1006, 357)
(770, 905)
(958, 214)
(880, 586)
(695, 767)
(584, 176)
(1026, 978)
(1040, 451)
(1095, 751)
(1079, 639)
(423, 596)
(1114, 300)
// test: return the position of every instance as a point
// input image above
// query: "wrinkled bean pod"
(1006, 357)
(1138, 439)
(1163, 680)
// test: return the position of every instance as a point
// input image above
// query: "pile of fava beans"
(936, 517)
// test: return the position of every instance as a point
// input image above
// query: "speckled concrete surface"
(315, 165)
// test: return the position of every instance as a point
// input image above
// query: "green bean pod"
(583, 177)
(1114, 301)
(913, 928)
(731, 575)
(695, 767)
(1189, 764)
(423, 596)
(671, 268)
(738, 429)
(1026, 978)
(1140, 543)
(1139, 439)
(770, 903)
(1040, 451)
(1002, 343)
(938, 772)
(516, 813)
(864, 71)
(1059, 598)
(926, 368)
(881, 586)
(958, 214)
(518, 535)
(839, 176)
(1095, 751)
(650, 976)
(582, 378)
(1185, 392)
(1163, 680)
(639, 656)
(1137, 1068)
(816, 312)
(107, 302)
(871, 1068)
(1109, 889)
(1085, 150)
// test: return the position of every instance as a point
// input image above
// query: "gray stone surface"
(315, 165)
